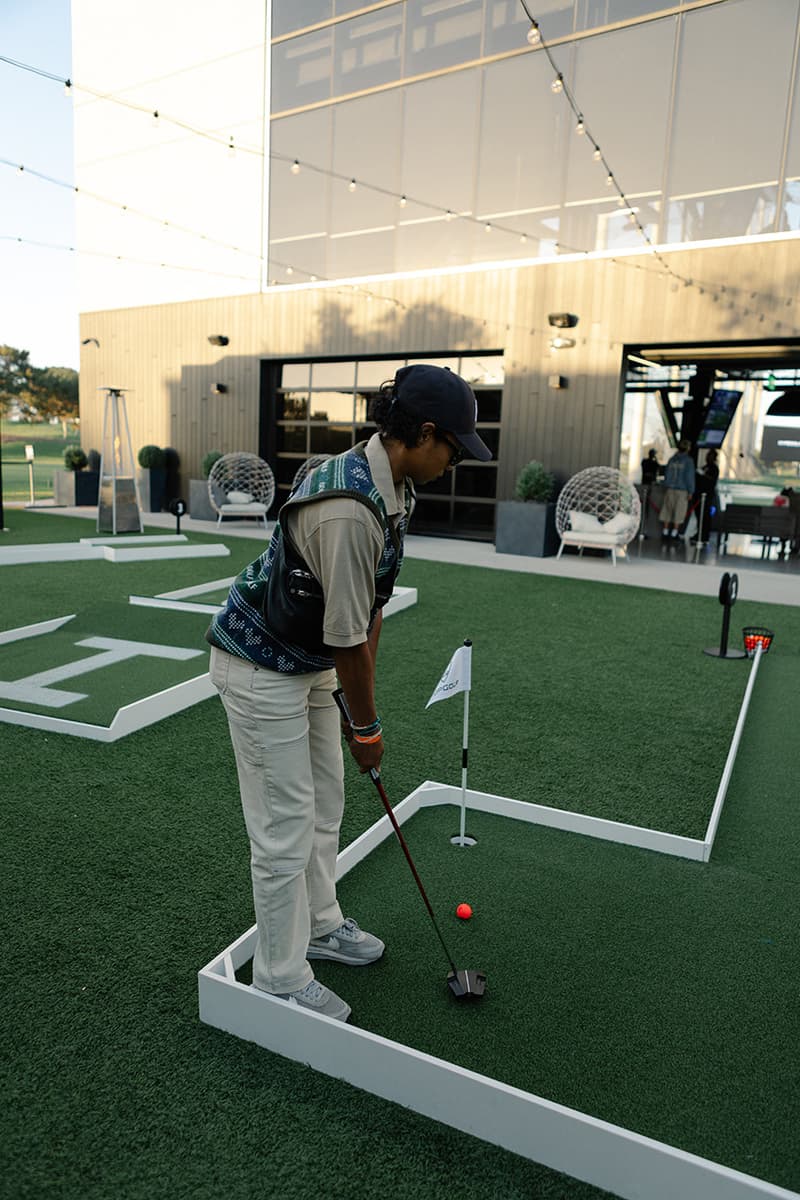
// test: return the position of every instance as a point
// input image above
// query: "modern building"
(336, 188)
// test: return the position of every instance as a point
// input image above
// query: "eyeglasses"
(459, 453)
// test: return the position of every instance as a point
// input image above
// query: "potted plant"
(75, 485)
(199, 503)
(527, 524)
(152, 478)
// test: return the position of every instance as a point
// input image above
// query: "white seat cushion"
(620, 523)
(583, 522)
(239, 497)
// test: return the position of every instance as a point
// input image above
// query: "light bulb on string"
(402, 202)
(231, 147)
(295, 167)
(351, 187)
(621, 201)
(524, 239)
(448, 216)
(290, 270)
(580, 128)
(558, 84)
(155, 118)
(21, 169)
(487, 227)
(67, 87)
(533, 35)
(609, 179)
(597, 154)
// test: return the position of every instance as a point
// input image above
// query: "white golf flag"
(457, 678)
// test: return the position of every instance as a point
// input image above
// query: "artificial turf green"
(107, 689)
(125, 869)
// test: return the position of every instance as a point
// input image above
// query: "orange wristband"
(368, 741)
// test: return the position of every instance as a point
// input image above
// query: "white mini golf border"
(607, 1156)
(119, 551)
(149, 709)
(402, 597)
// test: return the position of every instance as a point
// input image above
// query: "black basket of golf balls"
(755, 636)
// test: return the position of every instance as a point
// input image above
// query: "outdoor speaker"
(563, 320)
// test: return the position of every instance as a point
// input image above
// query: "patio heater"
(119, 508)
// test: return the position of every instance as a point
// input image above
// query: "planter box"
(524, 527)
(76, 488)
(152, 488)
(199, 504)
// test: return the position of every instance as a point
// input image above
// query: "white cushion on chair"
(583, 522)
(240, 497)
(619, 523)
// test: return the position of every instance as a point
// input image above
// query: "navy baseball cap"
(437, 394)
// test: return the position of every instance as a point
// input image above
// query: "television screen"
(718, 418)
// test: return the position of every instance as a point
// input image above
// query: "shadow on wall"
(205, 418)
(385, 326)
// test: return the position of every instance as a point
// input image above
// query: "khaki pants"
(286, 739)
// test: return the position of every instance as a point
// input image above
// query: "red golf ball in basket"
(464, 912)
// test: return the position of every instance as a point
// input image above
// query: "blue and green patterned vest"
(274, 611)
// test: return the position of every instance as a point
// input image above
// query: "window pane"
(333, 375)
(635, 146)
(373, 374)
(302, 70)
(726, 133)
(440, 33)
(730, 214)
(331, 406)
(439, 142)
(520, 169)
(331, 439)
(292, 406)
(287, 468)
(292, 438)
(476, 481)
(367, 135)
(295, 375)
(368, 50)
(299, 203)
(288, 15)
(591, 13)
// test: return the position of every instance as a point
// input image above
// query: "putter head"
(466, 985)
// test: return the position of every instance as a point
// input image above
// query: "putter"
(464, 985)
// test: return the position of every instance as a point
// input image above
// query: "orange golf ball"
(464, 912)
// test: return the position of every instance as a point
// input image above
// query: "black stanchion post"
(728, 591)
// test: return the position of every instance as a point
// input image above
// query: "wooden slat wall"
(163, 355)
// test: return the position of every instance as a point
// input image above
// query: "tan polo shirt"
(342, 543)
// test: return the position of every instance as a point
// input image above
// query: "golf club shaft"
(341, 702)
(376, 779)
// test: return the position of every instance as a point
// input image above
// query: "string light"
(609, 179)
(351, 187)
(295, 167)
(580, 128)
(402, 202)
(67, 87)
(557, 85)
(597, 154)
(534, 35)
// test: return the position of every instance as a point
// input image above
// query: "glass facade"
(323, 407)
(698, 155)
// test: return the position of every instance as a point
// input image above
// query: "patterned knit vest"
(271, 620)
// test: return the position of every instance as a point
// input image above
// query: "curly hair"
(392, 420)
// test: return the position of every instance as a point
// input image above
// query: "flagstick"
(462, 839)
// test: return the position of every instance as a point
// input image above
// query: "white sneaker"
(347, 944)
(319, 999)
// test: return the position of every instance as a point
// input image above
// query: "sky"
(38, 293)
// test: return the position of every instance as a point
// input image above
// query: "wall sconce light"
(561, 343)
(219, 389)
(563, 320)
(219, 339)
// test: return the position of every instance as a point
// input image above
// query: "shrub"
(534, 483)
(151, 456)
(208, 462)
(93, 460)
(74, 458)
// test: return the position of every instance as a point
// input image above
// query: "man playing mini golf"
(306, 610)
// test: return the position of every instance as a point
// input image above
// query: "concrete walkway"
(646, 565)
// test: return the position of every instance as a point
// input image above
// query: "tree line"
(40, 393)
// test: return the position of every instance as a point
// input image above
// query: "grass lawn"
(125, 868)
(48, 444)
